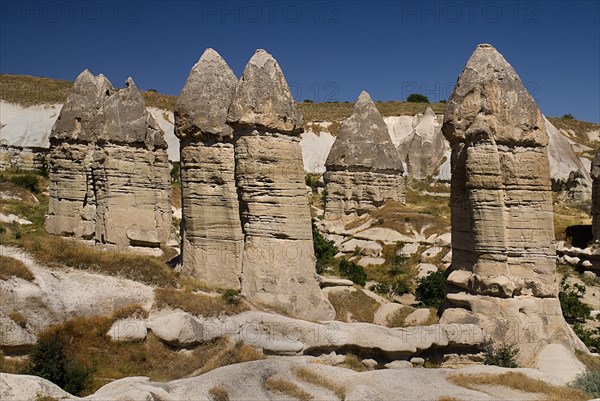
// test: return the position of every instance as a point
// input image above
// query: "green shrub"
(570, 301)
(417, 98)
(568, 116)
(28, 181)
(176, 172)
(589, 381)
(431, 289)
(591, 338)
(325, 250)
(398, 287)
(312, 181)
(49, 361)
(503, 356)
(231, 296)
(354, 272)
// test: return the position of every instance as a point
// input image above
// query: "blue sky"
(328, 50)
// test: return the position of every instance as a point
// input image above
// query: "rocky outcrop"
(109, 172)
(596, 196)
(566, 169)
(212, 238)
(503, 258)
(423, 149)
(278, 263)
(364, 168)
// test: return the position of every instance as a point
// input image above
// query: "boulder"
(128, 330)
(503, 253)
(363, 167)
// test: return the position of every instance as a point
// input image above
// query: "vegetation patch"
(308, 375)
(287, 387)
(353, 306)
(197, 304)
(503, 356)
(431, 289)
(589, 382)
(520, 382)
(79, 356)
(11, 267)
(353, 272)
(218, 393)
(325, 251)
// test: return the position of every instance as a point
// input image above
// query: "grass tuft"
(308, 375)
(218, 393)
(353, 306)
(196, 304)
(287, 387)
(11, 267)
(519, 381)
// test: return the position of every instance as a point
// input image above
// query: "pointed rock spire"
(489, 90)
(263, 98)
(201, 109)
(364, 142)
(596, 196)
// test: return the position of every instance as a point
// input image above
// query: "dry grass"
(398, 318)
(392, 270)
(18, 318)
(306, 374)
(196, 304)
(131, 311)
(446, 398)
(11, 267)
(13, 365)
(230, 355)
(520, 382)
(56, 250)
(218, 393)
(351, 361)
(591, 362)
(565, 216)
(287, 387)
(353, 306)
(335, 111)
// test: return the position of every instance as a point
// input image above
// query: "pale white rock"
(443, 239)
(352, 245)
(425, 269)
(385, 235)
(177, 328)
(11, 218)
(409, 249)
(325, 281)
(369, 260)
(557, 360)
(399, 365)
(418, 317)
(430, 253)
(385, 311)
(128, 330)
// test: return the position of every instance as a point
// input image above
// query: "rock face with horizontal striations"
(423, 149)
(364, 168)
(212, 238)
(109, 172)
(278, 264)
(503, 258)
(596, 196)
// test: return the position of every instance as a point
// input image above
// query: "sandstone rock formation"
(364, 168)
(278, 264)
(423, 149)
(503, 259)
(596, 196)
(109, 172)
(212, 238)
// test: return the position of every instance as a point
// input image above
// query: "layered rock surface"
(423, 149)
(278, 264)
(596, 196)
(109, 171)
(364, 168)
(212, 238)
(503, 259)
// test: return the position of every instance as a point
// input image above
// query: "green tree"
(325, 250)
(431, 289)
(417, 98)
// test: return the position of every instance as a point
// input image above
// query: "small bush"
(591, 338)
(443, 101)
(570, 302)
(18, 318)
(28, 181)
(568, 116)
(175, 172)
(589, 381)
(231, 296)
(312, 181)
(417, 98)
(431, 289)
(398, 287)
(325, 250)
(288, 388)
(49, 361)
(218, 393)
(354, 272)
(503, 356)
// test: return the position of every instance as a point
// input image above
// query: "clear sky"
(328, 50)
